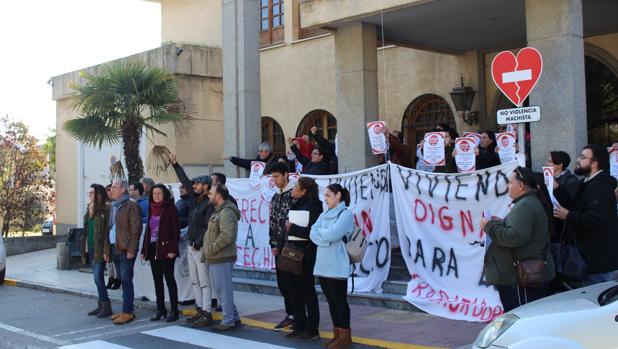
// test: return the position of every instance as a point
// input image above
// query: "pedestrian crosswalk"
(185, 335)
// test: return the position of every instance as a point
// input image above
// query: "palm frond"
(159, 159)
(116, 171)
(92, 130)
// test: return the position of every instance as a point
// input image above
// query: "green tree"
(24, 185)
(49, 147)
(121, 103)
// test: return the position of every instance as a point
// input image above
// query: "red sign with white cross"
(516, 76)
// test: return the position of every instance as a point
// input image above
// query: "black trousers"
(304, 299)
(336, 292)
(163, 268)
(283, 288)
(514, 296)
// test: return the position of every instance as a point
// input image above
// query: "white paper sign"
(465, 158)
(441, 241)
(433, 149)
(300, 218)
(475, 136)
(376, 137)
(506, 143)
(613, 161)
(257, 169)
(548, 176)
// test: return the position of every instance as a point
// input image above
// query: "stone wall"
(19, 245)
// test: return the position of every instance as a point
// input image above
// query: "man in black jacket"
(198, 225)
(328, 147)
(317, 165)
(184, 204)
(591, 217)
(265, 155)
(280, 206)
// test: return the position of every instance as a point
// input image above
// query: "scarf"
(156, 208)
(116, 207)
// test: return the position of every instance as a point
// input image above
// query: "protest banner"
(376, 137)
(465, 157)
(506, 145)
(433, 149)
(438, 219)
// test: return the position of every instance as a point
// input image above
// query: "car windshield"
(608, 296)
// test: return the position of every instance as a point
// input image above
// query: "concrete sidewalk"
(374, 326)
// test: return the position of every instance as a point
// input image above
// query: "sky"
(45, 38)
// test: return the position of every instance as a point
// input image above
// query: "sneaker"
(222, 327)
(294, 334)
(204, 321)
(285, 323)
(194, 318)
(307, 337)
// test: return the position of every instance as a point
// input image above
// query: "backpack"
(357, 245)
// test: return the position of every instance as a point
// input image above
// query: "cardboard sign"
(376, 137)
(475, 136)
(506, 144)
(465, 158)
(516, 76)
(433, 149)
(518, 115)
(257, 170)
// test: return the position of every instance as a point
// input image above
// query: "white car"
(582, 318)
(2, 260)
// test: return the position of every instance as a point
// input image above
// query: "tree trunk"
(131, 139)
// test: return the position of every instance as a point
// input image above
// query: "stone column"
(241, 80)
(554, 27)
(357, 94)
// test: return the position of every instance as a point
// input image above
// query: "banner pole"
(521, 137)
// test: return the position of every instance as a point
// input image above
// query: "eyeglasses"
(584, 157)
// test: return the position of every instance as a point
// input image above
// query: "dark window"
(601, 103)
(323, 120)
(273, 134)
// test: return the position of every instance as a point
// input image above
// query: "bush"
(37, 228)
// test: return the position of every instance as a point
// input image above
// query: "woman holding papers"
(332, 263)
(487, 156)
(302, 215)
(518, 260)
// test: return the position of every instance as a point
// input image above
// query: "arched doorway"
(323, 120)
(273, 134)
(422, 116)
(601, 101)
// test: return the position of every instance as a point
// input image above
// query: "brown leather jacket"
(128, 229)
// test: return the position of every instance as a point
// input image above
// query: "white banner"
(438, 218)
(369, 204)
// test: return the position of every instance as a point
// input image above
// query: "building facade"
(337, 64)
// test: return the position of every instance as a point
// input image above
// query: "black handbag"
(291, 260)
(570, 264)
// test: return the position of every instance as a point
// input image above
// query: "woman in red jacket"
(160, 247)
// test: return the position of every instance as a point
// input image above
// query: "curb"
(216, 316)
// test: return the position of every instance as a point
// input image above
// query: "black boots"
(106, 309)
(160, 313)
(173, 315)
(95, 311)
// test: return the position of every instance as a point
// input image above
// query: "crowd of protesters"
(524, 257)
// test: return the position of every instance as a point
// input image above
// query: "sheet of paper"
(506, 143)
(300, 218)
(257, 169)
(376, 137)
(433, 149)
(465, 158)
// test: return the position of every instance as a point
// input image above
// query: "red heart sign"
(516, 76)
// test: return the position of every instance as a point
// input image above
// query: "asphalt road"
(39, 319)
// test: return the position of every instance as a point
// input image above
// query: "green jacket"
(101, 229)
(220, 238)
(523, 234)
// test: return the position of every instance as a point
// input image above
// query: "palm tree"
(121, 103)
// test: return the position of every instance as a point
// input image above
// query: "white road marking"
(206, 339)
(94, 345)
(124, 330)
(32, 334)
(516, 76)
(92, 329)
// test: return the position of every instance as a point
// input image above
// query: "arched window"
(273, 134)
(601, 102)
(422, 116)
(323, 120)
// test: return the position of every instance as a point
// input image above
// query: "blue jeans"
(99, 278)
(222, 280)
(124, 267)
(592, 279)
